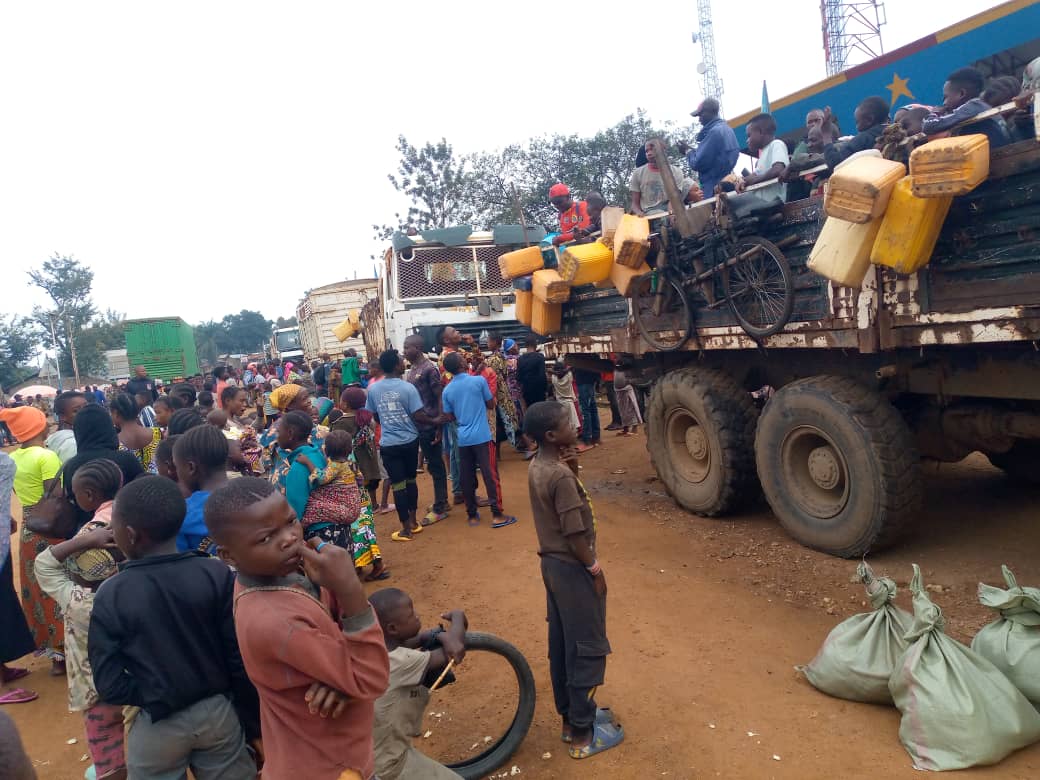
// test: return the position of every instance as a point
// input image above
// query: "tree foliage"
(17, 345)
(286, 322)
(67, 283)
(244, 332)
(477, 188)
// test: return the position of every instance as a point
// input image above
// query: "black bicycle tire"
(645, 330)
(502, 750)
(788, 307)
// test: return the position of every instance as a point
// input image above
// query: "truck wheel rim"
(688, 446)
(815, 471)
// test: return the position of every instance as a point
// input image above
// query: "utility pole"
(72, 346)
(57, 356)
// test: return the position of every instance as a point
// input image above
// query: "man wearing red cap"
(573, 213)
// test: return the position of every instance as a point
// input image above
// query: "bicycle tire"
(646, 320)
(501, 751)
(755, 303)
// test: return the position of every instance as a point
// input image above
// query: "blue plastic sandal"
(604, 737)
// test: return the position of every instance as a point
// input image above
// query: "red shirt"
(577, 216)
(289, 640)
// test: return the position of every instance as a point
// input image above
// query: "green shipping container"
(165, 346)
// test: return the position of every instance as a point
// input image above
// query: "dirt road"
(707, 619)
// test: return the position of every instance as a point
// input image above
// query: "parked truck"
(324, 308)
(165, 346)
(450, 276)
(863, 384)
(285, 344)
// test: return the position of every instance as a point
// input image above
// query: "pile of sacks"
(960, 706)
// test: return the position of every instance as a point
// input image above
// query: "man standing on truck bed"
(142, 383)
(717, 148)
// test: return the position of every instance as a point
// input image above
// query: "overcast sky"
(204, 157)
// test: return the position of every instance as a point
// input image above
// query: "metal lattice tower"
(711, 84)
(851, 30)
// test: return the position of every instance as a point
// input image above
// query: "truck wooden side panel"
(324, 308)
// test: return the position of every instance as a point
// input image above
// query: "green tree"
(437, 185)
(286, 322)
(105, 332)
(246, 331)
(211, 341)
(17, 344)
(67, 283)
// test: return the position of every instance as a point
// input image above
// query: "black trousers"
(470, 459)
(400, 461)
(435, 465)
(578, 646)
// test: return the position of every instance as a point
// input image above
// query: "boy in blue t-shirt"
(200, 459)
(466, 400)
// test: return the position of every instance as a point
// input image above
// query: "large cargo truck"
(165, 346)
(324, 308)
(864, 383)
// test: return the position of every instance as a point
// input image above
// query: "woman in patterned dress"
(134, 437)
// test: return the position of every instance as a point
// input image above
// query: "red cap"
(559, 190)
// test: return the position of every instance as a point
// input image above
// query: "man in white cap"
(717, 147)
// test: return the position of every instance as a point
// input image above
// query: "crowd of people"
(192, 555)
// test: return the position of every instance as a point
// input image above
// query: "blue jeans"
(589, 413)
(451, 440)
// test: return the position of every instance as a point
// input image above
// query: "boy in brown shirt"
(575, 586)
(295, 630)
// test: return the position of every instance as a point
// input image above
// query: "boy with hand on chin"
(417, 659)
(575, 586)
(296, 630)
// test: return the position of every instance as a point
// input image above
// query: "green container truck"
(165, 346)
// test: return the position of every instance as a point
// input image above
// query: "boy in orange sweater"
(295, 630)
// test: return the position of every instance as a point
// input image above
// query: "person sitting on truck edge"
(573, 213)
(772, 157)
(646, 189)
(871, 119)
(417, 659)
(813, 119)
(961, 102)
(717, 148)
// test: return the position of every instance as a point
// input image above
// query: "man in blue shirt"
(397, 407)
(717, 147)
(466, 400)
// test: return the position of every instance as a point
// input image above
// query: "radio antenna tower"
(711, 84)
(851, 31)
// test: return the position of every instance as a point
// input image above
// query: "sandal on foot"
(383, 574)
(418, 529)
(432, 518)
(14, 673)
(385, 510)
(397, 536)
(503, 520)
(603, 715)
(473, 521)
(604, 737)
(18, 696)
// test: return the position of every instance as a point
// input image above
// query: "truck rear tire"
(838, 465)
(1021, 463)
(700, 434)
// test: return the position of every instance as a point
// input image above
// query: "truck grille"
(450, 272)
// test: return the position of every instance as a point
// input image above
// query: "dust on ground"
(707, 619)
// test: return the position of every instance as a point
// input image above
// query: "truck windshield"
(288, 340)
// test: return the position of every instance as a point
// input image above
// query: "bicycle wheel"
(759, 288)
(480, 703)
(661, 311)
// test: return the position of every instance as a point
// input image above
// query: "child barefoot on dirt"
(296, 630)
(417, 659)
(575, 586)
(338, 510)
